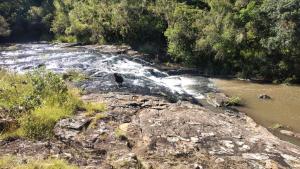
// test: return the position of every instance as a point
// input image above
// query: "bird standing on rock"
(118, 78)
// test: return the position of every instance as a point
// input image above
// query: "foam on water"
(25, 57)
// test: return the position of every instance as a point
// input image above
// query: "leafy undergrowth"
(11, 162)
(36, 101)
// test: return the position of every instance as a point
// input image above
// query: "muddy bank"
(149, 132)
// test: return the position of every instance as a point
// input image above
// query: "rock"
(6, 124)
(124, 127)
(264, 97)
(270, 164)
(77, 123)
(217, 99)
(118, 78)
(287, 132)
(244, 148)
(67, 129)
(195, 139)
(197, 166)
(219, 160)
(255, 156)
(181, 136)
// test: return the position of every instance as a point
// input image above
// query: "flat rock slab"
(149, 132)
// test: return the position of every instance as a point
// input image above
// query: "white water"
(26, 57)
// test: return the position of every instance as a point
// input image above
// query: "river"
(282, 109)
(143, 78)
(139, 76)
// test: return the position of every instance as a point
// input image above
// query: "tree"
(4, 27)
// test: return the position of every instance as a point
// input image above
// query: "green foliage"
(250, 38)
(276, 126)
(233, 101)
(92, 108)
(28, 19)
(37, 101)
(122, 21)
(4, 27)
(40, 123)
(11, 162)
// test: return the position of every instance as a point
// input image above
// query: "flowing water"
(283, 108)
(142, 78)
(139, 76)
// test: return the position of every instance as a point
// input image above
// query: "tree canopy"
(247, 38)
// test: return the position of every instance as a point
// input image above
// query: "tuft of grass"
(276, 126)
(11, 162)
(92, 108)
(97, 118)
(233, 101)
(40, 123)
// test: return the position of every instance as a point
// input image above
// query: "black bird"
(118, 78)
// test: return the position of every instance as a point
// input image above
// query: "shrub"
(233, 101)
(37, 101)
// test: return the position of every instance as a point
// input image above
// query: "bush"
(37, 101)
(233, 101)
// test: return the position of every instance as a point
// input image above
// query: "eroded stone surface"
(151, 133)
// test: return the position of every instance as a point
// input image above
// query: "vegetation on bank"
(11, 162)
(247, 38)
(31, 104)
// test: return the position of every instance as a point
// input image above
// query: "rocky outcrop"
(264, 97)
(146, 132)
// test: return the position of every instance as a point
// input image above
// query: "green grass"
(11, 162)
(97, 118)
(276, 126)
(92, 108)
(36, 101)
(234, 101)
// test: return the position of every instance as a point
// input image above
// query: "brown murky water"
(283, 108)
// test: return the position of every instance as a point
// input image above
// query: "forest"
(256, 39)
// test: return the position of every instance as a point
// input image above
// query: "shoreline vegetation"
(247, 39)
(31, 104)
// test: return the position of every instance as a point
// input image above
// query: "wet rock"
(288, 133)
(157, 73)
(217, 99)
(264, 97)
